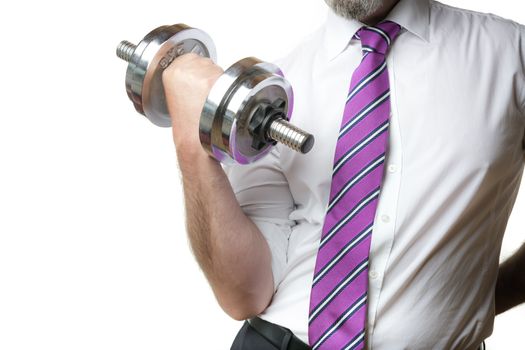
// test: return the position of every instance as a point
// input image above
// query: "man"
(442, 93)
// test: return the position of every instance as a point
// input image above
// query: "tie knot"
(378, 38)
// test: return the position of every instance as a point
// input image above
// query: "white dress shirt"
(454, 164)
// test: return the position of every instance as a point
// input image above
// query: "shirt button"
(373, 274)
(385, 218)
(392, 168)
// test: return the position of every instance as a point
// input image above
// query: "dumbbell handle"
(280, 130)
(298, 140)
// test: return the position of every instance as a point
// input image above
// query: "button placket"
(384, 230)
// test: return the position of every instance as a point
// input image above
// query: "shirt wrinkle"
(439, 226)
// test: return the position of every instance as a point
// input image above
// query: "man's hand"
(187, 82)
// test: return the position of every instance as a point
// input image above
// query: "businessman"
(387, 234)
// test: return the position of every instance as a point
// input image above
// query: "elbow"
(244, 308)
(241, 313)
(247, 296)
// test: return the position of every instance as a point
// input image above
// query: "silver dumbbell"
(247, 109)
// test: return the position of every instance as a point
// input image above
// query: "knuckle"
(191, 69)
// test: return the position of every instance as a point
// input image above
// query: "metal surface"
(233, 101)
(298, 140)
(247, 109)
(150, 57)
(125, 50)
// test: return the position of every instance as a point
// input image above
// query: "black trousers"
(248, 338)
(258, 334)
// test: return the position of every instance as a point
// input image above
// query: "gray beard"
(355, 9)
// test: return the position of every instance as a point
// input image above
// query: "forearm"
(228, 246)
(231, 251)
(510, 287)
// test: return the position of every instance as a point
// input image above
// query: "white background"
(93, 252)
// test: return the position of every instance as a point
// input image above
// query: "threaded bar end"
(287, 134)
(125, 50)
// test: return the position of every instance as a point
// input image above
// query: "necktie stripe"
(358, 162)
(392, 29)
(352, 228)
(366, 141)
(361, 71)
(365, 81)
(347, 330)
(379, 31)
(352, 275)
(337, 275)
(372, 106)
(358, 239)
(358, 339)
(371, 167)
(337, 314)
(327, 318)
(345, 316)
(365, 201)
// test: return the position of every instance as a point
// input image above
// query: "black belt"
(282, 338)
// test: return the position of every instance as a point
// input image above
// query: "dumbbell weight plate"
(151, 56)
(232, 102)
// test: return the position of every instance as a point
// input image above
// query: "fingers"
(191, 67)
(187, 82)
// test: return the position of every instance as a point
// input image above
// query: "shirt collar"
(412, 15)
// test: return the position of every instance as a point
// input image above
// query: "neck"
(381, 13)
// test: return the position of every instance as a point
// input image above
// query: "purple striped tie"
(340, 283)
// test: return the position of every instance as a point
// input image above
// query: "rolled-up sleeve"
(263, 193)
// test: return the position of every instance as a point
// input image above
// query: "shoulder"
(302, 54)
(468, 22)
(481, 41)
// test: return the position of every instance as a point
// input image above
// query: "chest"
(452, 108)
